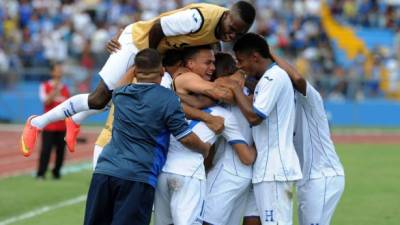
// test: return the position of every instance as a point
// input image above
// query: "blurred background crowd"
(307, 32)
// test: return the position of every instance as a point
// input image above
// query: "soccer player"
(123, 184)
(172, 61)
(322, 185)
(181, 188)
(193, 25)
(272, 114)
(229, 180)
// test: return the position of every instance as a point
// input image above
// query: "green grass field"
(372, 194)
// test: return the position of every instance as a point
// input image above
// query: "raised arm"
(299, 83)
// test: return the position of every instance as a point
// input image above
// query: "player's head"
(236, 22)
(56, 70)
(172, 60)
(200, 60)
(148, 66)
(252, 51)
(225, 66)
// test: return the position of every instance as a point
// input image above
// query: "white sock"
(71, 106)
(80, 117)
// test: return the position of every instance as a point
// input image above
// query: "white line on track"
(42, 210)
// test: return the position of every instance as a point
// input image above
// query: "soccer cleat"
(72, 133)
(28, 137)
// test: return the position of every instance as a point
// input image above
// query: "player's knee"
(100, 97)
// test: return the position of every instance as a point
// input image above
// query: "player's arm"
(196, 101)
(298, 81)
(215, 123)
(193, 142)
(177, 125)
(191, 82)
(242, 101)
(233, 134)
(179, 23)
(49, 98)
(247, 154)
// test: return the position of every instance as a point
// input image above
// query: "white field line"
(42, 210)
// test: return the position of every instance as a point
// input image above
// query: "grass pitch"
(372, 193)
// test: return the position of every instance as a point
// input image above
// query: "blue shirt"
(144, 117)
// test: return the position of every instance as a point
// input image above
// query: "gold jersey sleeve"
(105, 134)
(211, 14)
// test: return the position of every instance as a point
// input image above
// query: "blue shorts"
(116, 201)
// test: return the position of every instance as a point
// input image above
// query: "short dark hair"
(225, 64)
(189, 52)
(252, 42)
(246, 11)
(172, 57)
(148, 60)
(54, 64)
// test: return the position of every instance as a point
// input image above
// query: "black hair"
(172, 57)
(252, 42)
(148, 59)
(54, 64)
(225, 65)
(189, 52)
(246, 11)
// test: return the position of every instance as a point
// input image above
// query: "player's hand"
(228, 83)
(215, 123)
(113, 45)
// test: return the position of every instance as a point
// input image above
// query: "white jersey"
(166, 80)
(229, 159)
(274, 103)
(185, 162)
(312, 139)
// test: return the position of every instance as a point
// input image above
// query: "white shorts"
(318, 198)
(226, 197)
(96, 153)
(251, 206)
(119, 62)
(274, 202)
(178, 200)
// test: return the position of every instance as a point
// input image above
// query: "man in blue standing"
(123, 184)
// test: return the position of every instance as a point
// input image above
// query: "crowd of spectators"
(35, 32)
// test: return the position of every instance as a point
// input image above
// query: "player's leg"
(274, 202)
(187, 199)
(310, 197)
(114, 69)
(133, 202)
(226, 193)
(96, 153)
(73, 125)
(334, 191)
(60, 152)
(99, 204)
(251, 215)
(47, 144)
(162, 199)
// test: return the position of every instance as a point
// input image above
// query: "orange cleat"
(72, 133)
(28, 137)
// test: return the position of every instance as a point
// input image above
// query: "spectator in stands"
(52, 93)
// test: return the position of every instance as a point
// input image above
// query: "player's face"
(246, 63)
(203, 64)
(232, 27)
(57, 72)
